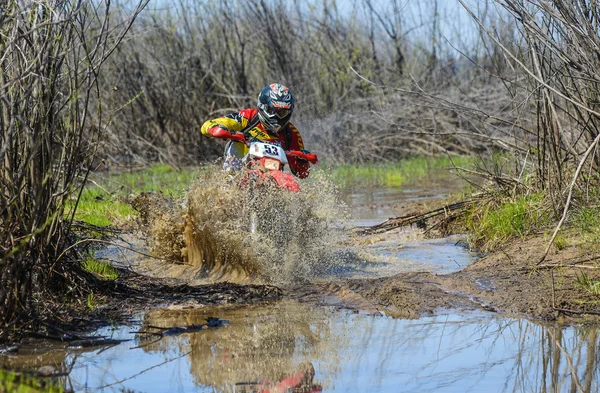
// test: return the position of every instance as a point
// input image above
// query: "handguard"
(222, 133)
(310, 157)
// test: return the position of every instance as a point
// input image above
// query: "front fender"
(284, 180)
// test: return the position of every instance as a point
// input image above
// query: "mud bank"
(137, 293)
(510, 281)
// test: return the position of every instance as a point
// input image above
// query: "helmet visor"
(279, 112)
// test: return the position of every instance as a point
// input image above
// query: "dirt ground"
(510, 281)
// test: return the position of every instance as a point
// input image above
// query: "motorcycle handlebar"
(239, 137)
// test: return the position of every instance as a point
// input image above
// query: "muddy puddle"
(371, 205)
(290, 347)
(318, 245)
(404, 250)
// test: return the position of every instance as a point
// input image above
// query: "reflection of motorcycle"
(299, 382)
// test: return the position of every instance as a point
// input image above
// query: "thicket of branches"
(196, 60)
(562, 74)
(556, 64)
(51, 53)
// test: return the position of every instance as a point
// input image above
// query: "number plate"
(262, 149)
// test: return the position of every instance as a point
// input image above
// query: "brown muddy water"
(289, 346)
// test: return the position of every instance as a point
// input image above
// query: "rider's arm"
(299, 167)
(223, 127)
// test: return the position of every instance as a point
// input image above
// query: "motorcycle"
(263, 173)
(266, 161)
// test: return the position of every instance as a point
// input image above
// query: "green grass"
(587, 221)
(561, 241)
(100, 269)
(23, 383)
(103, 202)
(96, 207)
(92, 304)
(499, 221)
(394, 174)
(587, 284)
(164, 178)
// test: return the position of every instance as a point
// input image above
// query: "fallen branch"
(211, 323)
(397, 222)
(567, 311)
(560, 265)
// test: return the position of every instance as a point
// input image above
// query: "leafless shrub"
(50, 56)
(401, 122)
(198, 60)
(559, 64)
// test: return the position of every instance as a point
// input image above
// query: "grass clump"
(395, 174)
(561, 242)
(22, 383)
(100, 269)
(587, 221)
(497, 221)
(587, 284)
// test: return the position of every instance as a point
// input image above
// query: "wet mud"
(510, 281)
(310, 252)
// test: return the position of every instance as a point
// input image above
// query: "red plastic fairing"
(294, 383)
(284, 180)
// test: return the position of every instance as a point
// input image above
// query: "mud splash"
(242, 233)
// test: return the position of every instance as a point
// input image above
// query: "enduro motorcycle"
(267, 160)
(264, 166)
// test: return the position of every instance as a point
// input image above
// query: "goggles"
(279, 112)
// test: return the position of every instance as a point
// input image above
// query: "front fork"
(253, 221)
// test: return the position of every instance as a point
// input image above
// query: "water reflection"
(261, 348)
(275, 347)
(372, 205)
(485, 354)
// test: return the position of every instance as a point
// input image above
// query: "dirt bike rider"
(269, 122)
